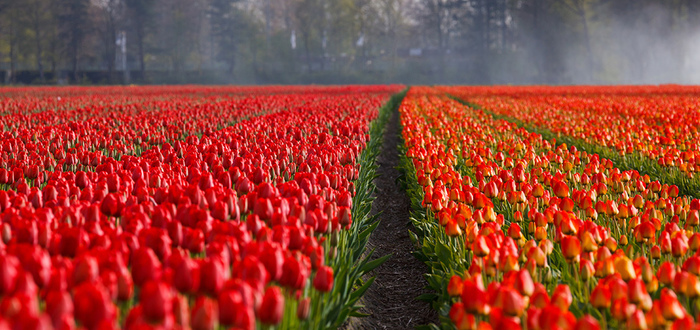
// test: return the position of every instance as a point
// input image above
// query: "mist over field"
(350, 41)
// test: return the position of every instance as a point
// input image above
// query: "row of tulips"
(522, 233)
(29, 100)
(262, 223)
(654, 128)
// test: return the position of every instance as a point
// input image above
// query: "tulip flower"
(474, 298)
(272, 307)
(323, 281)
(156, 301)
(571, 248)
(205, 314)
(454, 287)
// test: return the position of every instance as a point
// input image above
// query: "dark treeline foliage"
(350, 41)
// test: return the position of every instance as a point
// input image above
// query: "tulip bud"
(480, 246)
(679, 246)
(205, 314)
(452, 228)
(454, 287)
(636, 290)
(623, 240)
(571, 248)
(156, 301)
(461, 319)
(58, 304)
(561, 190)
(670, 307)
(625, 268)
(524, 283)
(587, 323)
(324, 279)
(601, 296)
(303, 308)
(513, 303)
(586, 269)
(637, 321)
(561, 297)
(474, 298)
(272, 307)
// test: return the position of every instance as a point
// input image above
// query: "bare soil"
(391, 300)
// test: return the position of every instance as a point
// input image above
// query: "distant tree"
(141, 17)
(582, 11)
(110, 15)
(228, 29)
(309, 16)
(179, 31)
(74, 23)
(37, 13)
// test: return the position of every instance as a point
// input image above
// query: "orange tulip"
(561, 297)
(601, 297)
(571, 248)
(461, 319)
(454, 287)
(670, 307)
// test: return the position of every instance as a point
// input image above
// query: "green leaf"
(359, 314)
(369, 266)
(444, 253)
(361, 290)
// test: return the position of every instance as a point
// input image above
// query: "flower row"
(241, 226)
(521, 232)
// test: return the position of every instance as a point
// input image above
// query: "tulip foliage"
(186, 207)
(522, 232)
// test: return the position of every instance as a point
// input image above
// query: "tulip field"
(523, 232)
(186, 207)
(191, 207)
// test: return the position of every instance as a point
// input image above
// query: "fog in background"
(350, 41)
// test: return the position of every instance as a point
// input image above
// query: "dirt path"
(391, 300)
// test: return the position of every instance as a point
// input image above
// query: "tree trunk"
(139, 40)
(74, 59)
(37, 30)
(306, 50)
(11, 74)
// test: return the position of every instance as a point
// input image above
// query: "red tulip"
(156, 301)
(86, 270)
(145, 266)
(212, 276)
(234, 312)
(272, 307)
(670, 307)
(112, 205)
(93, 306)
(59, 304)
(323, 281)
(560, 188)
(474, 298)
(303, 308)
(9, 266)
(186, 276)
(454, 287)
(205, 314)
(294, 274)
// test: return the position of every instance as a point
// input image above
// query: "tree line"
(349, 41)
